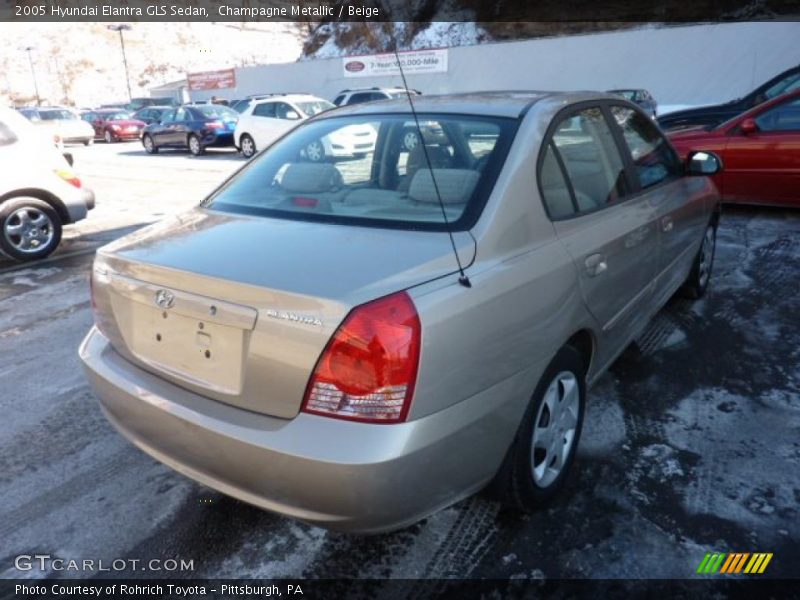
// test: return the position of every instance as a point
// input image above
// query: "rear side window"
(653, 158)
(554, 187)
(7, 137)
(360, 97)
(585, 145)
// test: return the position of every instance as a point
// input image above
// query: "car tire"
(195, 147)
(410, 139)
(541, 455)
(109, 137)
(315, 151)
(30, 229)
(248, 146)
(149, 145)
(88, 142)
(696, 284)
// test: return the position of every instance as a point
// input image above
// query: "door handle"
(595, 265)
(667, 224)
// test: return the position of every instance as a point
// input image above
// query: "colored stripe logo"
(734, 563)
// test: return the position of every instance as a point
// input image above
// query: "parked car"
(39, 191)
(114, 125)
(760, 150)
(304, 340)
(151, 114)
(357, 96)
(192, 126)
(60, 122)
(710, 116)
(265, 120)
(641, 97)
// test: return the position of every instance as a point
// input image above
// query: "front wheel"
(88, 142)
(29, 229)
(697, 283)
(537, 464)
(149, 145)
(108, 137)
(195, 147)
(248, 146)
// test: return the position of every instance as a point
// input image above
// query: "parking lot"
(691, 442)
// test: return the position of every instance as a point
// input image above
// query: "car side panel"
(763, 167)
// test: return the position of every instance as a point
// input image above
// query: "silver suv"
(360, 343)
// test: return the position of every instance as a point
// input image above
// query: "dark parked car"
(711, 116)
(641, 97)
(760, 150)
(192, 126)
(113, 124)
(151, 114)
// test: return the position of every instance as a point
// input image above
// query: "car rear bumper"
(342, 475)
(218, 139)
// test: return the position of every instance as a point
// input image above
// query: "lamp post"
(120, 29)
(30, 49)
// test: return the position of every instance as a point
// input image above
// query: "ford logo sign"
(165, 299)
(354, 66)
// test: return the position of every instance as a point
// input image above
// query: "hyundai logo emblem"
(165, 299)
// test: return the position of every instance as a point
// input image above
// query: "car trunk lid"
(239, 308)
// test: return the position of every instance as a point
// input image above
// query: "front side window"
(653, 158)
(784, 117)
(266, 109)
(339, 100)
(168, 117)
(56, 115)
(585, 145)
(359, 170)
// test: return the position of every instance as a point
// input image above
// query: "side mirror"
(703, 163)
(749, 127)
(292, 115)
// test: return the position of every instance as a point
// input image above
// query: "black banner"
(486, 11)
(395, 589)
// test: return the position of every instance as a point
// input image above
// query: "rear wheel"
(248, 146)
(149, 145)
(697, 282)
(29, 229)
(543, 450)
(195, 147)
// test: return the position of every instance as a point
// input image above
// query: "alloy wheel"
(28, 230)
(554, 429)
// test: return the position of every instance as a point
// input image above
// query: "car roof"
(512, 103)
(289, 98)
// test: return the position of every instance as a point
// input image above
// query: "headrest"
(311, 178)
(455, 185)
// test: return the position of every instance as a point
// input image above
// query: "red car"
(760, 152)
(113, 124)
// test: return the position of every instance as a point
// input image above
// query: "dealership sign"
(212, 80)
(414, 61)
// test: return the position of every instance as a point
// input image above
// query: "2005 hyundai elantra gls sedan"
(304, 340)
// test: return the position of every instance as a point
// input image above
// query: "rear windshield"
(217, 111)
(117, 116)
(373, 170)
(56, 114)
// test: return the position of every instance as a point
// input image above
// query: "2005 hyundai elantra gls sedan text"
(304, 340)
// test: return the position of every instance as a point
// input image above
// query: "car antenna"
(462, 279)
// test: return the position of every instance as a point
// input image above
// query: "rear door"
(264, 124)
(764, 166)
(160, 133)
(610, 234)
(658, 177)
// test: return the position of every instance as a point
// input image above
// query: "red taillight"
(368, 370)
(304, 202)
(214, 125)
